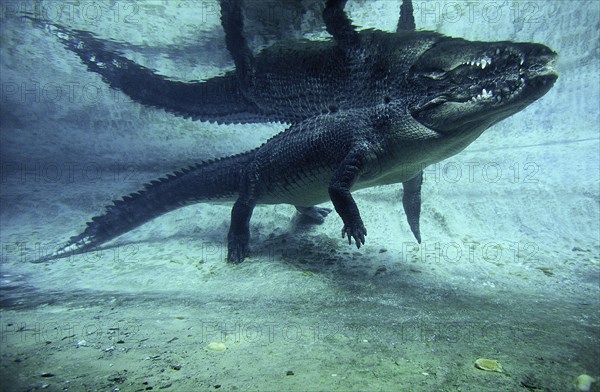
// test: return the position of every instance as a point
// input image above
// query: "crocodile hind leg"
(238, 237)
(239, 231)
(232, 21)
(314, 214)
(339, 25)
(407, 18)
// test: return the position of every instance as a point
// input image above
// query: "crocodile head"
(469, 86)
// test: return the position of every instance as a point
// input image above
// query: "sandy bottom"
(509, 267)
(160, 309)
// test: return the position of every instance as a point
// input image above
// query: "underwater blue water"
(508, 268)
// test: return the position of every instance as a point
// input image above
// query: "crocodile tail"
(216, 180)
(216, 100)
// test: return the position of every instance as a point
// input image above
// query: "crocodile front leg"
(339, 192)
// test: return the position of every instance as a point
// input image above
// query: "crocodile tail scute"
(215, 100)
(211, 180)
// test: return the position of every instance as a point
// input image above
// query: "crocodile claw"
(356, 231)
(237, 249)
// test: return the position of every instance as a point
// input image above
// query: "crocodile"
(286, 82)
(418, 97)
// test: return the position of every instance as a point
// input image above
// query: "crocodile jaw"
(469, 86)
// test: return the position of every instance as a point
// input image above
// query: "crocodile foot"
(357, 231)
(315, 215)
(237, 248)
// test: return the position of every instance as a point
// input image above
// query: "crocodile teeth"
(484, 95)
(481, 63)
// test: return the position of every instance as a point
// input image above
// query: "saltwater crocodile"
(367, 108)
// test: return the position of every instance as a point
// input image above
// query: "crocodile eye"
(387, 99)
(333, 108)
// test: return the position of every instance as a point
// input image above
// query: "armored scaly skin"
(370, 108)
(288, 82)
